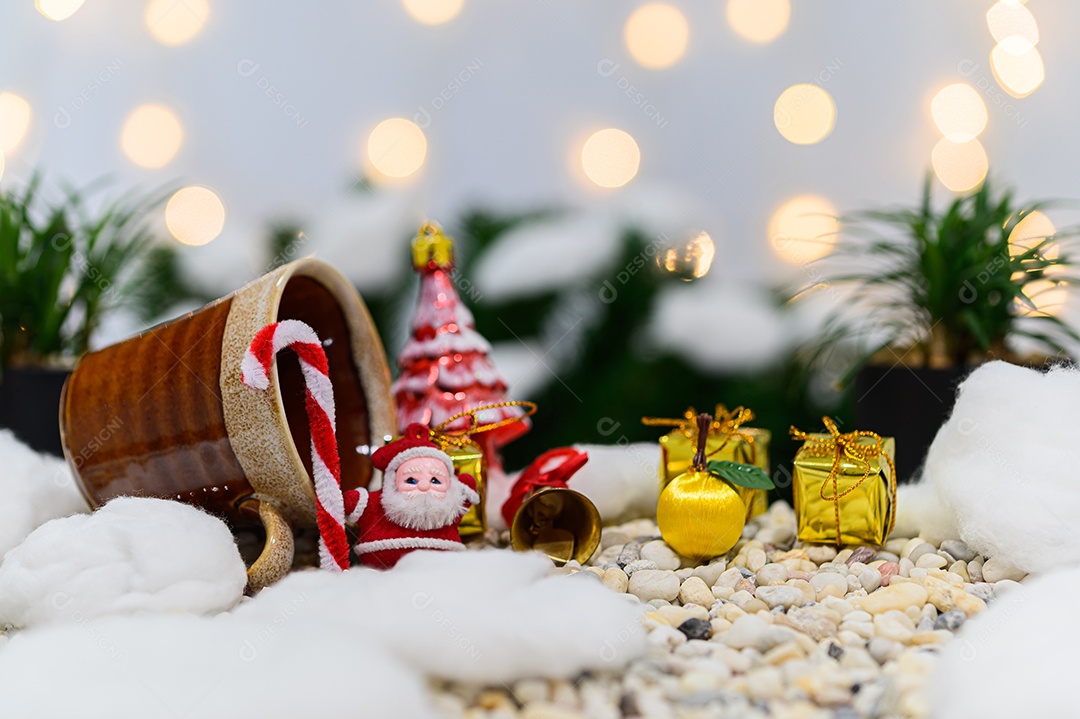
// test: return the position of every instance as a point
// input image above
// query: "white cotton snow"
(559, 253)
(491, 615)
(717, 326)
(132, 555)
(622, 480)
(920, 512)
(1004, 466)
(327, 644)
(366, 235)
(1016, 659)
(204, 668)
(34, 488)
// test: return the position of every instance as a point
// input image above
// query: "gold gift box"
(468, 459)
(865, 492)
(747, 445)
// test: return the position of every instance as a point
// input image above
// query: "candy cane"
(319, 401)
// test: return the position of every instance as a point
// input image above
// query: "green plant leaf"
(745, 475)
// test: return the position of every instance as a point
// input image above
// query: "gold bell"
(544, 515)
(559, 522)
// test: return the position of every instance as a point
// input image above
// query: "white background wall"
(509, 138)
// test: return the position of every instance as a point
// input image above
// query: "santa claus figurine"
(419, 506)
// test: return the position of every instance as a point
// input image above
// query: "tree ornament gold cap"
(432, 249)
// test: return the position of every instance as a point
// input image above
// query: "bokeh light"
(656, 35)
(959, 112)
(151, 136)
(2, 163)
(433, 12)
(691, 260)
(1048, 296)
(396, 148)
(960, 166)
(804, 114)
(1010, 18)
(803, 229)
(1018, 66)
(610, 157)
(759, 21)
(195, 215)
(1033, 228)
(175, 22)
(14, 121)
(58, 9)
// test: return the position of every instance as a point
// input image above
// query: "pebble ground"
(772, 630)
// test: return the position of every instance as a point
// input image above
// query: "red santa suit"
(389, 527)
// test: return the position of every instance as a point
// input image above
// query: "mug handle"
(277, 554)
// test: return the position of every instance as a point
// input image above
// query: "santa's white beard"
(424, 510)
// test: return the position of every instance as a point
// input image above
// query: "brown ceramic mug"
(165, 414)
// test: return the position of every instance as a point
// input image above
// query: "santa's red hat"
(416, 442)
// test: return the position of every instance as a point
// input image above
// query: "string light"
(656, 35)
(58, 10)
(610, 157)
(14, 121)
(433, 12)
(960, 166)
(151, 135)
(396, 148)
(959, 112)
(803, 229)
(176, 22)
(195, 215)
(759, 21)
(804, 114)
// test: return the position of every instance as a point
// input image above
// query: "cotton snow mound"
(920, 512)
(519, 364)
(366, 235)
(1015, 659)
(718, 327)
(491, 616)
(203, 668)
(621, 480)
(661, 209)
(1003, 465)
(35, 488)
(361, 643)
(132, 555)
(549, 255)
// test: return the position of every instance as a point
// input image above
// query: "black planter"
(30, 405)
(908, 404)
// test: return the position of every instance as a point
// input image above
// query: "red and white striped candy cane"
(319, 400)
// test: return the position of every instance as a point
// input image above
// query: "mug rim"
(269, 456)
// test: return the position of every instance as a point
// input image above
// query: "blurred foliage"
(602, 383)
(63, 267)
(162, 285)
(942, 288)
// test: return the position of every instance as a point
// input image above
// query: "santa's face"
(422, 474)
(424, 495)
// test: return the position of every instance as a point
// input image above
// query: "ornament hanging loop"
(458, 439)
(725, 423)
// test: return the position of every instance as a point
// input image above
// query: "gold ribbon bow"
(847, 446)
(460, 439)
(725, 424)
